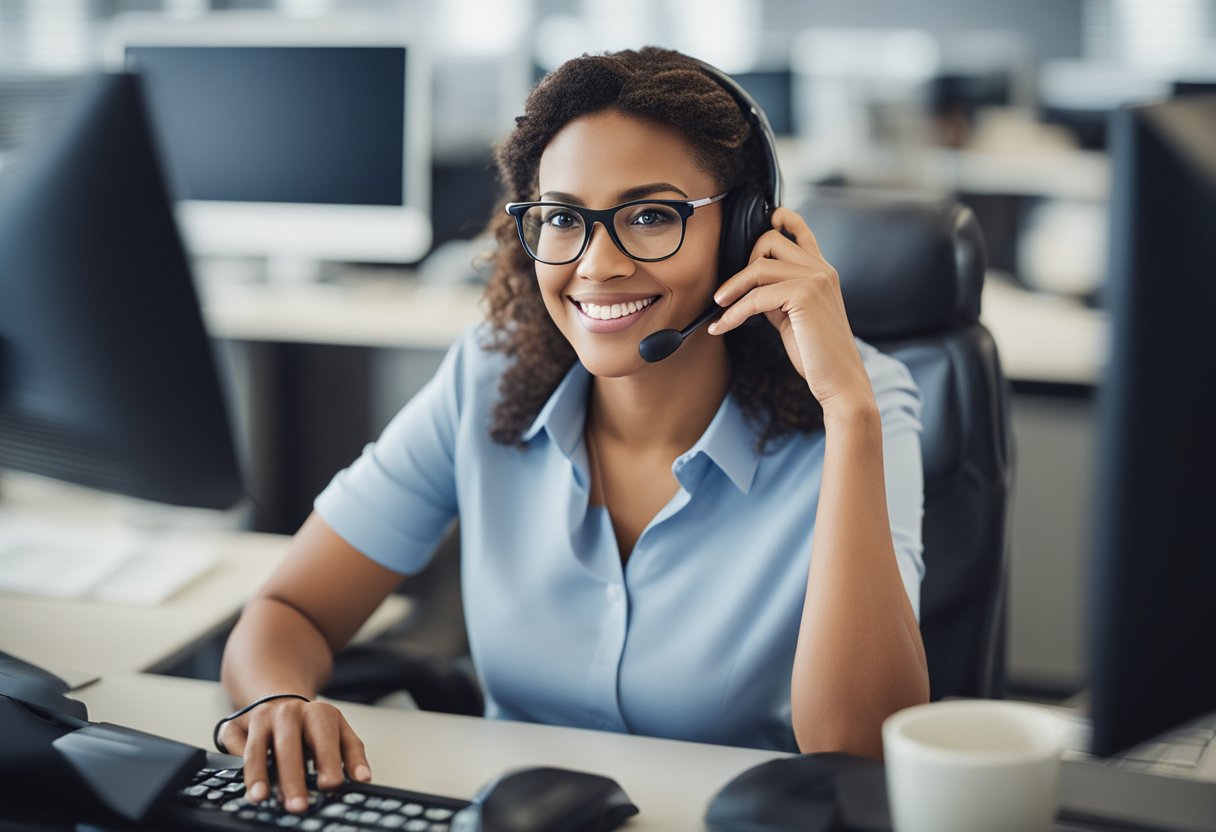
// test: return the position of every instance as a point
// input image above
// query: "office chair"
(911, 271)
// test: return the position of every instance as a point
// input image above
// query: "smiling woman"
(636, 536)
(603, 159)
(670, 97)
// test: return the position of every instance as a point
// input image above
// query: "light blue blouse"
(694, 638)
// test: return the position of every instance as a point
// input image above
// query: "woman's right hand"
(295, 730)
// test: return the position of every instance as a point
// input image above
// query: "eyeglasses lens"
(647, 231)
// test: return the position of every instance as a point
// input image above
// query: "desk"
(671, 782)
(397, 312)
(72, 637)
(1041, 338)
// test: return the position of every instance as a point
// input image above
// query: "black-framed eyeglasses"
(646, 229)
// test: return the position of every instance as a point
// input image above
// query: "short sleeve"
(899, 405)
(396, 500)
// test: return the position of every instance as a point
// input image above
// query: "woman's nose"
(603, 260)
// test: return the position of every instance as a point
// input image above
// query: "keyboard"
(1177, 752)
(214, 799)
(1168, 782)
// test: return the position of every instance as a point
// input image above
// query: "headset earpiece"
(747, 210)
(744, 218)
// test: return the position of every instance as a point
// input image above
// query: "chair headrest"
(908, 264)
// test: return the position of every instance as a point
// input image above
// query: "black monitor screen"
(1154, 625)
(279, 124)
(773, 91)
(106, 374)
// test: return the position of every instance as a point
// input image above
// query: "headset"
(747, 213)
(749, 208)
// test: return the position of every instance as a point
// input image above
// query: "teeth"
(616, 310)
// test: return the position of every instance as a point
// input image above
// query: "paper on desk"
(115, 566)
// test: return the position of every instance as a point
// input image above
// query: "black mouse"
(825, 792)
(546, 800)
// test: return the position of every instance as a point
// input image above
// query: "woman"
(636, 537)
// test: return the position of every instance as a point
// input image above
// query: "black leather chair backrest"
(911, 271)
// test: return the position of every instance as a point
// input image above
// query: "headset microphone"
(658, 345)
(746, 215)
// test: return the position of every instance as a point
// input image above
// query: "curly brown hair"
(669, 88)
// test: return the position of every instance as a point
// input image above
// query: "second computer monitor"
(290, 140)
(1154, 616)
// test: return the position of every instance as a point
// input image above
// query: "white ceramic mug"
(973, 765)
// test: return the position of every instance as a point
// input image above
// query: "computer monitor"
(107, 378)
(299, 141)
(1153, 626)
(773, 89)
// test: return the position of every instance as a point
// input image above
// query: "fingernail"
(713, 329)
(257, 792)
(363, 773)
(297, 804)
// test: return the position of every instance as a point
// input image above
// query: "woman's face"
(600, 161)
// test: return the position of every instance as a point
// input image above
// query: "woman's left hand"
(790, 282)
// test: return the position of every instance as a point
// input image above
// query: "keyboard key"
(353, 798)
(311, 825)
(438, 814)
(416, 826)
(391, 822)
(411, 810)
(389, 804)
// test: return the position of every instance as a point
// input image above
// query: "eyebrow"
(628, 195)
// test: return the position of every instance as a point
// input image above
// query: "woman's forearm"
(274, 649)
(859, 657)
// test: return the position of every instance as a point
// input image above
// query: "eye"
(652, 216)
(561, 218)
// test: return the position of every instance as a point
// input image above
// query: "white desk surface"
(77, 638)
(1040, 337)
(397, 312)
(82, 637)
(671, 782)
(1024, 167)
(1043, 337)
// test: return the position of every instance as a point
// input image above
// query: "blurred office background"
(1002, 105)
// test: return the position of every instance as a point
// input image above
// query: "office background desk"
(79, 638)
(671, 782)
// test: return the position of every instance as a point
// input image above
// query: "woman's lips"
(601, 326)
